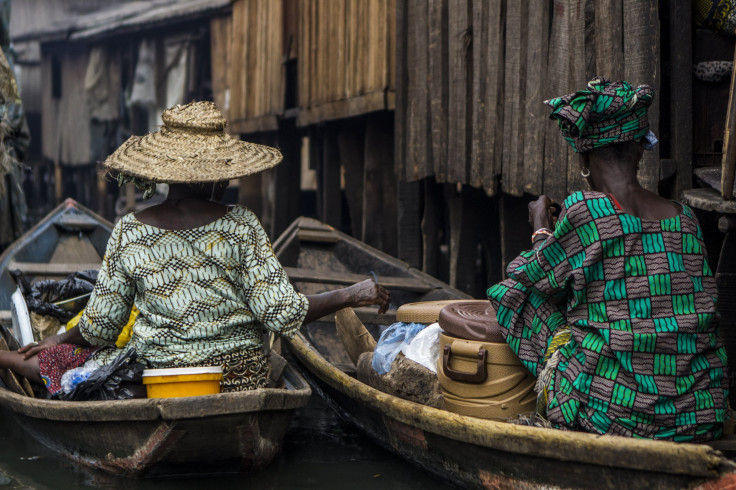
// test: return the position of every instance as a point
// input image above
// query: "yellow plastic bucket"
(179, 382)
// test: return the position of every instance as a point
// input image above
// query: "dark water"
(320, 451)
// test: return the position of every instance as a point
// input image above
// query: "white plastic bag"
(424, 349)
(71, 378)
(391, 342)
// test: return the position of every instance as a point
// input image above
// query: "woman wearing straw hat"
(202, 274)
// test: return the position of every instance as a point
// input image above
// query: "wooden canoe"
(466, 451)
(229, 432)
(69, 239)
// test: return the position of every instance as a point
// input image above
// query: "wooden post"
(350, 141)
(515, 231)
(641, 56)
(379, 189)
(434, 204)
(331, 190)
(728, 165)
(286, 179)
(681, 93)
(409, 218)
(463, 241)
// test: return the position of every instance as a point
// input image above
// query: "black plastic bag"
(119, 380)
(43, 294)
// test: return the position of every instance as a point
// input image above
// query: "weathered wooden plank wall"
(346, 58)
(64, 119)
(221, 32)
(247, 70)
(477, 73)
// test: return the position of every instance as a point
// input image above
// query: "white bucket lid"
(182, 371)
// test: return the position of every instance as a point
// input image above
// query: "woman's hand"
(541, 213)
(71, 336)
(367, 293)
(34, 348)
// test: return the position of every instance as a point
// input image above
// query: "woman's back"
(201, 291)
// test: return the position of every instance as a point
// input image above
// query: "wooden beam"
(377, 190)
(641, 57)
(330, 186)
(681, 94)
(342, 109)
(351, 141)
(286, 179)
(434, 205)
(400, 130)
(463, 242)
(728, 164)
(317, 236)
(409, 220)
(297, 274)
(50, 269)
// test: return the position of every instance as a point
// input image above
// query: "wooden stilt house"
(106, 74)
(316, 79)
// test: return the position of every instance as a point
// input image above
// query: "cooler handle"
(478, 376)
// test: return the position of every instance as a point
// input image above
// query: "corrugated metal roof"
(126, 17)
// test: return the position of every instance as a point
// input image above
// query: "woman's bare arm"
(364, 293)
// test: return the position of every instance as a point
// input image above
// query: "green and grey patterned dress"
(206, 295)
(644, 358)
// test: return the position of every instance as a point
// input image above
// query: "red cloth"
(57, 360)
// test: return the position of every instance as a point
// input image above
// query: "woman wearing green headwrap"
(614, 309)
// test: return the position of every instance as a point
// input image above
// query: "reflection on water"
(320, 451)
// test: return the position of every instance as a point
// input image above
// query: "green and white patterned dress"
(204, 294)
(644, 358)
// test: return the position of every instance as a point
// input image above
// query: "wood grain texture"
(480, 149)
(460, 80)
(514, 118)
(493, 98)
(252, 50)
(438, 84)
(609, 54)
(577, 79)
(728, 164)
(418, 161)
(555, 147)
(400, 114)
(681, 94)
(535, 112)
(347, 49)
(641, 49)
(221, 49)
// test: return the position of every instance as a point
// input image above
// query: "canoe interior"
(459, 462)
(311, 245)
(231, 432)
(70, 238)
(318, 258)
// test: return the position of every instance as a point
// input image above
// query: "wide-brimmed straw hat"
(191, 146)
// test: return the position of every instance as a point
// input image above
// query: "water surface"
(320, 451)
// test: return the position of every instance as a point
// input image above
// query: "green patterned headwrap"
(607, 112)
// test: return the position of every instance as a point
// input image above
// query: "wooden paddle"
(353, 334)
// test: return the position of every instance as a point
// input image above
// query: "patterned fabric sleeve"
(531, 303)
(547, 270)
(108, 309)
(272, 298)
